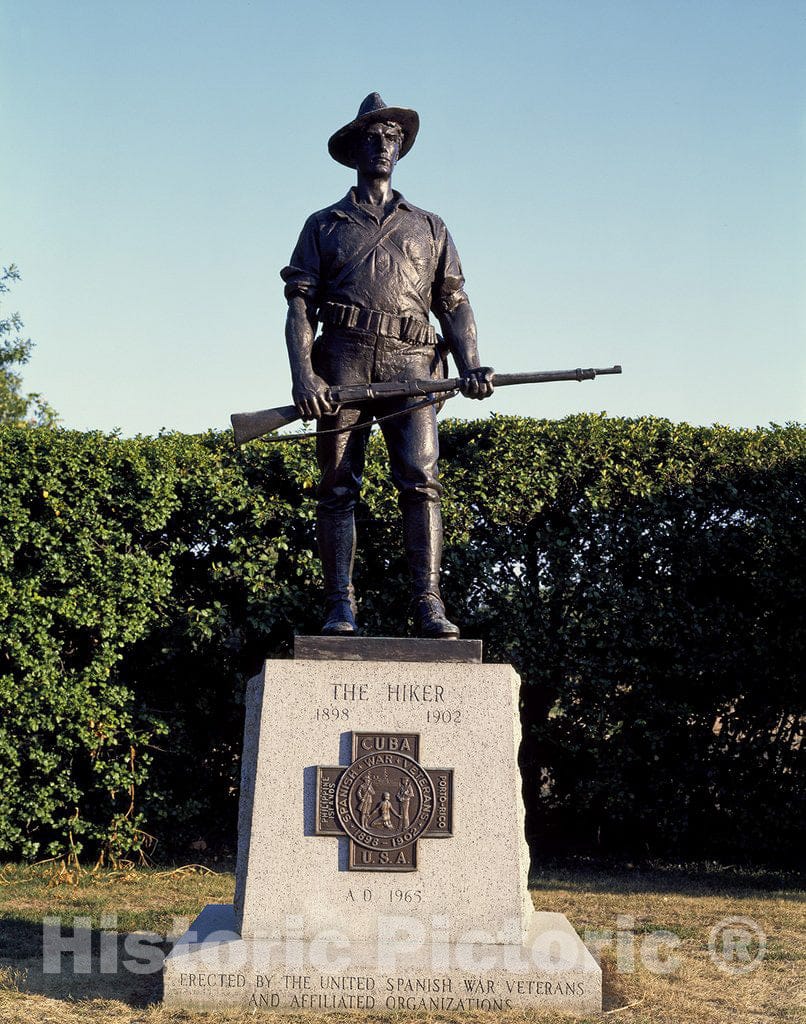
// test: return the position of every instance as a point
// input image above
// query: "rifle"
(250, 425)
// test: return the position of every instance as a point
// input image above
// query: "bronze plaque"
(384, 801)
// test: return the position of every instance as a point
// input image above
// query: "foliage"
(16, 351)
(78, 586)
(650, 588)
(644, 577)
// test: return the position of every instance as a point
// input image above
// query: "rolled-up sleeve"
(301, 276)
(449, 282)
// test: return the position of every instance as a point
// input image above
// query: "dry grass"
(633, 905)
(695, 989)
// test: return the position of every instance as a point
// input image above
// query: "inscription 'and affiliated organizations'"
(346, 992)
(384, 801)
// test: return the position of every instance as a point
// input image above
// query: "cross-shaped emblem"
(384, 801)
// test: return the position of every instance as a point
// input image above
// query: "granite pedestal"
(324, 921)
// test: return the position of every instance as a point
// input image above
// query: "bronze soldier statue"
(370, 269)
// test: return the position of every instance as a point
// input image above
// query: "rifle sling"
(363, 252)
(380, 237)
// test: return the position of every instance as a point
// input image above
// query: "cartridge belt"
(406, 328)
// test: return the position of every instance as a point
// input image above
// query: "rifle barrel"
(504, 379)
(545, 376)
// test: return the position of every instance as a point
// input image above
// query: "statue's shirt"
(412, 269)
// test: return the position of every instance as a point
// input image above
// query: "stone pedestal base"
(410, 967)
(381, 857)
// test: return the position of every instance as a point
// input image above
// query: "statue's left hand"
(478, 382)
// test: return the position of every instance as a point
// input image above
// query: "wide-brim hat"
(372, 110)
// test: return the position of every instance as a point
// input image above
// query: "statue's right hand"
(311, 397)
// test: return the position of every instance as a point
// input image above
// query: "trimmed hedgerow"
(645, 578)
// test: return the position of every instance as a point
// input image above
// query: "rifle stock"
(247, 426)
(250, 425)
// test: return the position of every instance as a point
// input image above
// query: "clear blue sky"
(625, 181)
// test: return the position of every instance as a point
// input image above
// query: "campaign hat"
(371, 111)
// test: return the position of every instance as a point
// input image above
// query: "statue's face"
(377, 149)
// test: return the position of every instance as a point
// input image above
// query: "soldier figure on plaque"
(370, 269)
(404, 796)
(366, 791)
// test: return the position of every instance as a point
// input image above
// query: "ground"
(651, 928)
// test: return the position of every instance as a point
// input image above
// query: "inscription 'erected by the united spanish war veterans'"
(384, 801)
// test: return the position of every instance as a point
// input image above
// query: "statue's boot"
(335, 535)
(422, 538)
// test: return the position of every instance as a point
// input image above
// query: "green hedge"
(646, 579)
